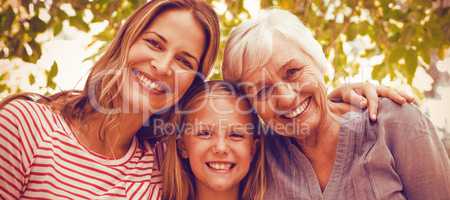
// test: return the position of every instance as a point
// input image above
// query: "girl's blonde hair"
(178, 179)
(105, 81)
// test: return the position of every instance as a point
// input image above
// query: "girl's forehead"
(218, 107)
(218, 103)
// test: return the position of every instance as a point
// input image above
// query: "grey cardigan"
(398, 157)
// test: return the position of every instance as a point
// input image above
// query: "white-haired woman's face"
(163, 61)
(285, 92)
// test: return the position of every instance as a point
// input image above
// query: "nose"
(220, 146)
(285, 97)
(162, 65)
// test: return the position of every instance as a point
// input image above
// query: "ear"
(182, 149)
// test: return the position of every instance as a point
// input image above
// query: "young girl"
(215, 146)
(83, 144)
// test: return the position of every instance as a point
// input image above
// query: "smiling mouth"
(221, 166)
(148, 83)
(299, 110)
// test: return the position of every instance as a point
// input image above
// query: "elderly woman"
(325, 152)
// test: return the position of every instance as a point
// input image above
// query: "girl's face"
(287, 91)
(163, 61)
(218, 142)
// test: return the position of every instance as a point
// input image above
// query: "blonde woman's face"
(164, 61)
(219, 144)
(286, 92)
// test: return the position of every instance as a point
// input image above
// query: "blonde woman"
(217, 151)
(83, 144)
(327, 153)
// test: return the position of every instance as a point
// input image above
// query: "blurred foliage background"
(394, 38)
(407, 34)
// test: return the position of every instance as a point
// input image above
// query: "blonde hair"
(249, 45)
(178, 179)
(104, 84)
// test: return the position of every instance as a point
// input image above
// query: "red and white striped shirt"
(41, 159)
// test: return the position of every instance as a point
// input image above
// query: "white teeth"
(298, 110)
(148, 83)
(220, 166)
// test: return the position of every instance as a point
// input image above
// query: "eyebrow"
(165, 41)
(286, 64)
(189, 55)
(158, 35)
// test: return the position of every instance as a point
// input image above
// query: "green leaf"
(395, 54)
(36, 51)
(266, 3)
(53, 70)
(3, 76)
(31, 79)
(409, 69)
(425, 55)
(287, 4)
(395, 37)
(3, 87)
(57, 28)
(61, 14)
(370, 52)
(6, 19)
(51, 74)
(106, 35)
(441, 53)
(77, 22)
(379, 71)
(364, 28)
(436, 35)
(37, 25)
(51, 84)
(352, 31)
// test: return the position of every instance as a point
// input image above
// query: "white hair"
(250, 44)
